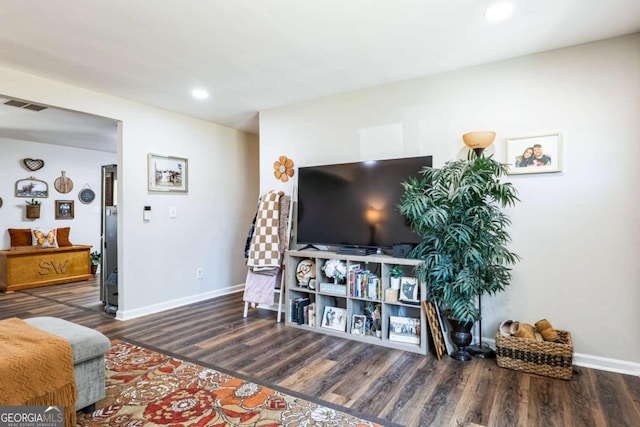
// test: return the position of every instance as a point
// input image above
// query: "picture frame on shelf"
(334, 318)
(409, 290)
(64, 209)
(167, 173)
(358, 322)
(31, 187)
(404, 329)
(540, 153)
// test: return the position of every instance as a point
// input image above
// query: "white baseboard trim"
(595, 362)
(606, 364)
(156, 308)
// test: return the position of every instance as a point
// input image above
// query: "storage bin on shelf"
(550, 359)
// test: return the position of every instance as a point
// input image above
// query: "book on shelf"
(311, 314)
(366, 285)
(404, 329)
(301, 306)
(296, 306)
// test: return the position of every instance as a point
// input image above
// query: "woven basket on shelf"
(546, 358)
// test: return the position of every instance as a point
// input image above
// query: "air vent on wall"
(25, 105)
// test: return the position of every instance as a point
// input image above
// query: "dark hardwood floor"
(404, 388)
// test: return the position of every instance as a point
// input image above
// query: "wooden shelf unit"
(377, 264)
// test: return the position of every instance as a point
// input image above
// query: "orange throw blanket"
(36, 368)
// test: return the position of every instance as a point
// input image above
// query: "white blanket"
(259, 288)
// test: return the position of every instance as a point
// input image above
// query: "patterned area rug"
(148, 388)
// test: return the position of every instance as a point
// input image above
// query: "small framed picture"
(64, 209)
(167, 173)
(334, 318)
(358, 322)
(404, 329)
(534, 154)
(409, 290)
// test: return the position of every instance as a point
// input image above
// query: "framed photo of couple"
(534, 154)
(334, 318)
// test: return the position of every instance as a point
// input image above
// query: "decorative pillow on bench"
(44, 238)
(20, 236)
(25, 237)
(63, 236)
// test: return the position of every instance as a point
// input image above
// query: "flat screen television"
(355, 204)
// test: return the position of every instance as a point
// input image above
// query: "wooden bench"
(24, 268)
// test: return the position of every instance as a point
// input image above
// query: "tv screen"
(355, 204)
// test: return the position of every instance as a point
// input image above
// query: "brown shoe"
(523, 330)
(547, 331)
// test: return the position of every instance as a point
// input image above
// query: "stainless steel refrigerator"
(109, 240)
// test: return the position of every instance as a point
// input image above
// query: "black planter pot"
(461, 336)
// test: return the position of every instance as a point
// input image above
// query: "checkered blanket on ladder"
(264, 252)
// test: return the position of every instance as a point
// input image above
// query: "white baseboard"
(151, 309)
(595, 362)
(606, 364)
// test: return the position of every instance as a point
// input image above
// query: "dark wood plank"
(545, 405)
(613, 395)
(403, 388)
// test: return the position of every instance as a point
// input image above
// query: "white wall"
(158, 260)
(81, 166)
(578, 231)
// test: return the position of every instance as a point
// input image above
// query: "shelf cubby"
(359, 303)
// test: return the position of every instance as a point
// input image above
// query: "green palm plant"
(457, 210)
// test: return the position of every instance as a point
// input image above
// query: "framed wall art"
(31, 187)
(167, 173)
(534, 154)
(358, 322)
(404, 329)
(409, 290)
(334, 318)
(64, 209)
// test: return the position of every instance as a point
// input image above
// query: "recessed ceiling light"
(499, 11)
(200, 94)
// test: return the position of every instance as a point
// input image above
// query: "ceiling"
(253, 55)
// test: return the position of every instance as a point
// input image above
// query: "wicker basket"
(33, 211)
(536, 357)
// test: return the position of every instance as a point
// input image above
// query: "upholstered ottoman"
(88, 347)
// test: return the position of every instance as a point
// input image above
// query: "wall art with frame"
(404, 329)
(64, 209)
(409, 290)
(358, 322)
(334, 318)
(534, 154)
(31, 187)
(167, 173)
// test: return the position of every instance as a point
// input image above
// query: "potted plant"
(457, 210)
(395, 273)
(96, 257)
(33, 209)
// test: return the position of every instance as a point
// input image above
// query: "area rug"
(147, 388)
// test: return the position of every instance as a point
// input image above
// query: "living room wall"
(577, 231)
(81, 166)
(158, 259)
